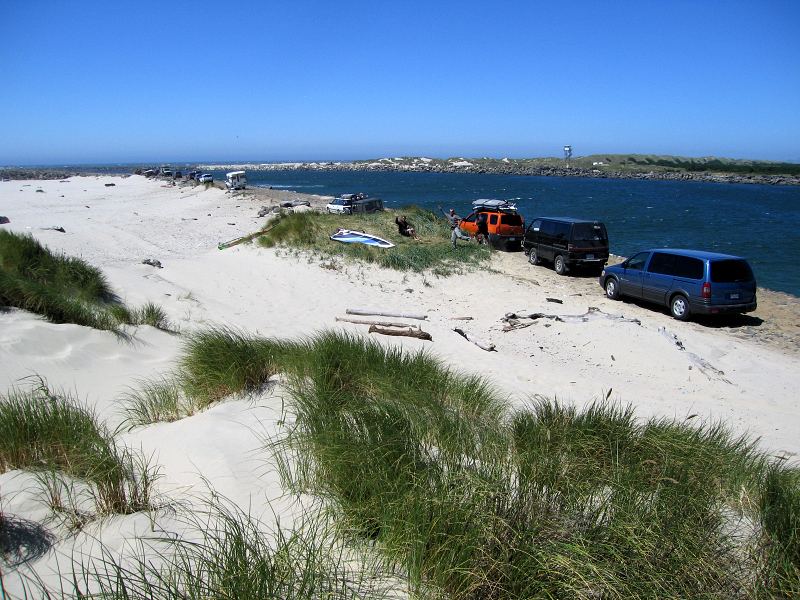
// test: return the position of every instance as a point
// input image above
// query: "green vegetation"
(54, 434)
(220, 362)
(555, 503)
(156, 400)
(231, 556)
(433, 474)
(312, 231)
(64, 289)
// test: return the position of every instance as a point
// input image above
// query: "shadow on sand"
(22, 540)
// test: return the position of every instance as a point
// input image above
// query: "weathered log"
(381, 323)
(482, 344)
(462, 318)
(407, 332)
(379, 313)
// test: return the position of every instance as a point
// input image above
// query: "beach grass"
(312, 231)
(548, 501)
(226, 553)
(64, 289)
(52, 432)
(155, 400)
(218, 362)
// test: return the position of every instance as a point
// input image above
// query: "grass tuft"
(219, 362)
(41, 430)
(155, 400)
(64, 289)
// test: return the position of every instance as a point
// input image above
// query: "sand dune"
(746, 374)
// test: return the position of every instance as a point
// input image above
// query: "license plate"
(590, 257)
(512, 239)
(734, 296)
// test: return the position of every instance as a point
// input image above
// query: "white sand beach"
(746, 376)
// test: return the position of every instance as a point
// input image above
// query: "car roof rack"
(498, 205)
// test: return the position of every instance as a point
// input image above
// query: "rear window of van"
(730, 271)
(589, 232)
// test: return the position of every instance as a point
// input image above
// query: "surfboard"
(348, 236)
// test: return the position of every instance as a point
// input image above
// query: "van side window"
(562, 231)
(536, 225)
(548, 228)
(662, 263)
(689, 267)
(470, 218)
(636, 262)
(493, 220)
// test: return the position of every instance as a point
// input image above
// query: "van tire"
(533, 256)
(612, 288)
(560, 265)
(679, 307)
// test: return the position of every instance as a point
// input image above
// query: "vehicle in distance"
(348, 204)
(205, 178)
(504, 225)
(566, 243)
(687, 282)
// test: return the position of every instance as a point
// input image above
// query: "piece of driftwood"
(482, 344)
(366, 312)
(414, 332)
(556, 300)
(381, 323)
(463, 318)
(592, 313)
(705, 367)
(245, 238)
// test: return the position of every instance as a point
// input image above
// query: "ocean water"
(759, 222)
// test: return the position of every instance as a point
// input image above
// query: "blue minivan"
(685, 281)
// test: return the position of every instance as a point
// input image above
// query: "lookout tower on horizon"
(567, 154)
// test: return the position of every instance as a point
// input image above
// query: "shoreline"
(499, 168)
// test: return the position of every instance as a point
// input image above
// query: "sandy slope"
(745, 373)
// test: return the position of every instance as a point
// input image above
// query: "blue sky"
(91, 81)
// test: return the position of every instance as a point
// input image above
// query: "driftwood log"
(380, 323)
(379, 313)
(414, 332)
(463, 318)
(482, 344)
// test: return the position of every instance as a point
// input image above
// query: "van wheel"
(560, 265)
(612, 288)
(679, 307)
(533, 256)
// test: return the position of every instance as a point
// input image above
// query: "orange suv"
(505, 226)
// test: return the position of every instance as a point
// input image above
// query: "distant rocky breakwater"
(510, 168)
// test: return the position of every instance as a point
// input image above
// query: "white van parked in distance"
(236, 180)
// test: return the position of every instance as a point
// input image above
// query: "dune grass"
(312, 231)
(219, 362)
(45, 431)
(227, 554)
(64, 289)
(155, 400)
(549, 501)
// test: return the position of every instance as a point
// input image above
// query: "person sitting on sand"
(405, 228)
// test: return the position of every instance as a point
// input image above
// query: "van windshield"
(730, 271)
(589, 232)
